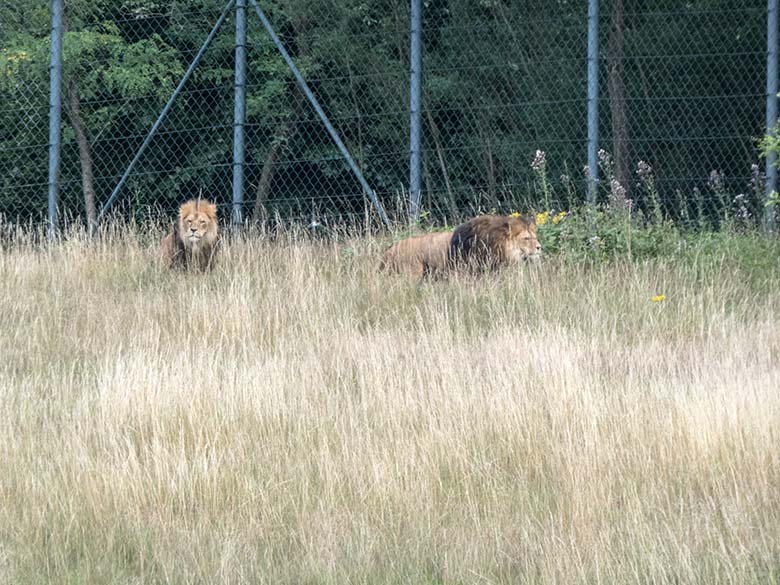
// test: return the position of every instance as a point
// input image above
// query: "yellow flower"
(541, 218)
(16, 57)
(558, 217)
(514, 214)
(658, 298)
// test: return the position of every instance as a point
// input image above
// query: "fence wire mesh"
(682, 97)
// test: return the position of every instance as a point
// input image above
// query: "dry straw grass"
(296, 418)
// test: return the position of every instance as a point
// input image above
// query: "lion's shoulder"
(479, 236)
(172, 249)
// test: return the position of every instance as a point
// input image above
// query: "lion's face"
(197, 224)
(522, 243)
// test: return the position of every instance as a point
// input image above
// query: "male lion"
(492, 241)
(195, 238)
(418, 256)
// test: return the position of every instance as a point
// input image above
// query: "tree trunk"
(356, 105)
(435, 135)
(284, 134)
(266, 176)
(487, 152)
(85, 155)
(617, 96)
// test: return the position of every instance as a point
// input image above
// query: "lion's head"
(521, 242)
(495, 240)
(198, 224)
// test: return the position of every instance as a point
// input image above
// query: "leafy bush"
(622, 228)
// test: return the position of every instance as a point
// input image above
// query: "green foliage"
(770, 143)
(599, 234)
(501, 80)
(606, 233)
(121, 84)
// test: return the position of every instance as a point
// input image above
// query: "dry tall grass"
(295, 417)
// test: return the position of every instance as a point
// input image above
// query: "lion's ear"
(209, 209)
(186, 209)
(507, 225)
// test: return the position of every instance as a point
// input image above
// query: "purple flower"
(756, 178)
(616, 191)
(539, 163)
(643, 170)
(715, 181)
(742, 211)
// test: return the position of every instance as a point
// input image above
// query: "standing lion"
(418, 256)
(492, 241)
(195, 238)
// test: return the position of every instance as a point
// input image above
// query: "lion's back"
(418, 255)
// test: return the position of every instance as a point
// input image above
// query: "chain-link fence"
(682, 89)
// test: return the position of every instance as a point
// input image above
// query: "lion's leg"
(208, 260)
(171, 252)
(435, 271)
(417, 269)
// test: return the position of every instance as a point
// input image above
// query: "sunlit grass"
(297, 417)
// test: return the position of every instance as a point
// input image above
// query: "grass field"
(294, 417)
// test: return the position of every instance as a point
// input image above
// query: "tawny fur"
(194, 241)
(418, 256)
(492, 241)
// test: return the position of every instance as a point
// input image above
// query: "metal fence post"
(166, 109)
(415, 135)
(771, 105)
(239, 115)
(55, 116)
(593, 99)
(316, 105)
